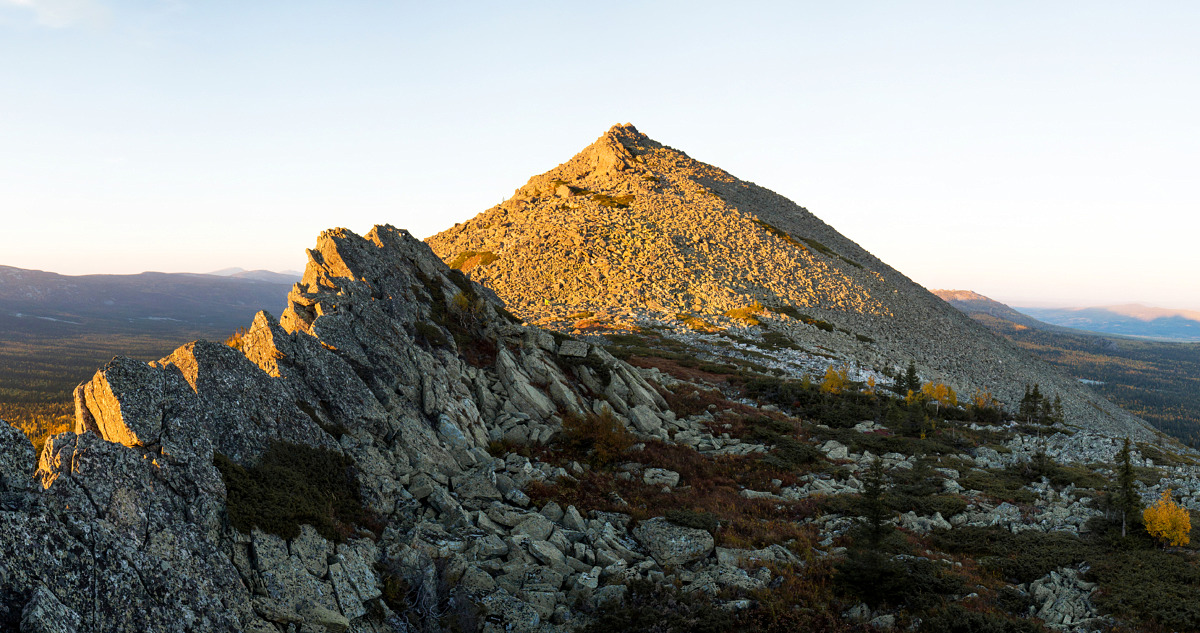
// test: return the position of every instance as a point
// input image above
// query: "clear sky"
(1036, 152)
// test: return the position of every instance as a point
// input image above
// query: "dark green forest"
(1157, 381)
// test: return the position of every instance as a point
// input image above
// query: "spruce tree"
(912, 382)
(867, 570)
(1128, 503)
(1028, 406)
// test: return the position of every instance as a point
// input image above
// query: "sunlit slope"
(630, 228)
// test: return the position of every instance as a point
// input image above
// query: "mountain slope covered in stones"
(395, 453)
(633, 233)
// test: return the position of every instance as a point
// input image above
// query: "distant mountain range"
(1126, 320)
(55, 330)
(39, 302)
(283, 277)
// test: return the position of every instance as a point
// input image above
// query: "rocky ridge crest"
(126, 521)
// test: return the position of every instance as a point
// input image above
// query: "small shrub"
(746, 314)
(687, 401)
(956, 619)
(661, 608)
(785, 310)
(1022, 557)
(790, 454)
(599, 439)
(836, 380)
(778, 340)
(817, 323)
(615, 202)
(1149, 586)
(695, 323)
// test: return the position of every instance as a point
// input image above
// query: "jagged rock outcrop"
(384, 355)
(631, 231)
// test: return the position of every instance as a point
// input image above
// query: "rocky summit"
(633, 234)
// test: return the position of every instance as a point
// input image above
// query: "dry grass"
(747, 314)
(472, 259)
(696, 323)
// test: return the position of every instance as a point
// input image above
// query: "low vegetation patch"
(462, 315)
(615, 202)
(746, 314)
(294, 485)
(651, 606)
(695, 322)
(471, 259)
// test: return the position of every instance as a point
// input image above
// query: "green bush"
(1151, 586)
(1020, 557)
(790, 454)
(470, 259)
(294, 484)
(661, 608)
(598, 439)
(956, 619)
(1002, 485)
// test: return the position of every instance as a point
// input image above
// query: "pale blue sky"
(1032, 151)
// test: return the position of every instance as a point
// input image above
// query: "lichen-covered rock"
(45, 614)
(672, 544)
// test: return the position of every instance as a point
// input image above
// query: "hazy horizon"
(1036, 154)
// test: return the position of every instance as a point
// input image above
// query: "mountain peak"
(632, 234)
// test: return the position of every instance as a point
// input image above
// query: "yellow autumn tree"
(939, 394)
(836, 380)
(1168, 522)
(983, 399)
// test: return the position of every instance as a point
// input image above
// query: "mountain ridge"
(1134, 320)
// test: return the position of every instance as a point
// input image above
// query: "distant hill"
(56, 329)
(974, 304)
(283, 277)
(630, 233)
(1157, 380)
(46, 303)
(1127, 320)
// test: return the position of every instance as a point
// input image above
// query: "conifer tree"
(867, 570)
(908, 381)
(1028, 407)
(1127, 500)
(1168, 522)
